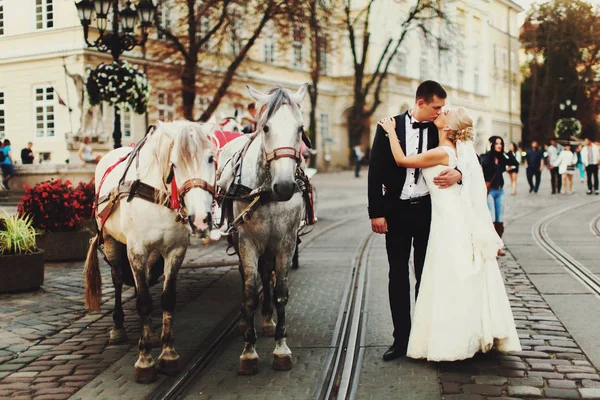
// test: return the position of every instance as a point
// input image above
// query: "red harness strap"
(108, 171)
(174, 204)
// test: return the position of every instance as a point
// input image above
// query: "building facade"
(44, 60)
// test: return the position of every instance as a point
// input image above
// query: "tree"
(320, 21)
(219, 33)
(562, 42)
(368, 84)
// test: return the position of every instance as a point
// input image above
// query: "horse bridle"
(193, 183)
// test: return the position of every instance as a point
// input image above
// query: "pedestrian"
(552, 164)
(515, 159)
(494, 163)
(359, 157)
(6, 163)
(86, 154)
(591, 158)
(400, 205)
(27, 154)
(534, 164)
(566, 168)
(249, 119)
(580, 165)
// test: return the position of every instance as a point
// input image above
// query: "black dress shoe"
(394, 352)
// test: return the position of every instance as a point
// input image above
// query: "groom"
(399, 202)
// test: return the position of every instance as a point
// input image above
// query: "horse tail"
(93, 278)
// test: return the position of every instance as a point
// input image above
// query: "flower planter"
(65, 246)
(21, 272)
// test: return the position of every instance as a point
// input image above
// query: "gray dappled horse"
(267, 240)
(148, 234)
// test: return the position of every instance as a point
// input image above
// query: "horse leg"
(265, 266)
(145, 368)
(249, 269)
(116, 254)
(282, 355)
(155, 269)
(168, 361)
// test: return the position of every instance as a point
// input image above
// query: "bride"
(462, 307)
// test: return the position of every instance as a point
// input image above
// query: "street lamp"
(568, 105)
(116, 42)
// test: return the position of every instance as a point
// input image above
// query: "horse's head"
(189, 169)
(229, 124)
(282, 128)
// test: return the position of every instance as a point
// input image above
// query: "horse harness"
(262, 194)
(136, 188)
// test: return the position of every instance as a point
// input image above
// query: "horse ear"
(235, 113)
(300, 94)
(257, 95)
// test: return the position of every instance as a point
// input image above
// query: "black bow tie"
(419, 125)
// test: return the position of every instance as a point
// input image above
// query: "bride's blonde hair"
(461, 126)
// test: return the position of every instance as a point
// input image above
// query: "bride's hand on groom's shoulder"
(388, 124)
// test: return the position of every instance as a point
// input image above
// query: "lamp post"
(116, 41)
(567, 107)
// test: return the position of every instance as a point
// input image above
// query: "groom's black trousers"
(408, 224)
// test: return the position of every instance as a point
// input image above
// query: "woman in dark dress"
(513, 171)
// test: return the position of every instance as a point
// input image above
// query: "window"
(476, 79)
(235, 31)
(504, 60)
(1, 19)
(297, 45)
(324, 125)
(44, 103)
(164, 18)
(323, 59)
(495, 51)
(203, 29)
(269, 43)
(401, 61)
(126, 121)
(514, 61)
(165, 107)
(2, 117)
(460, 83)
(423, 67)
(45, 157)
(44, 14)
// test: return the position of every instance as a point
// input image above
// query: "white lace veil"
(486, 241)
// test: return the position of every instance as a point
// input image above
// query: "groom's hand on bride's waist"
(379, 225)
(447, 178)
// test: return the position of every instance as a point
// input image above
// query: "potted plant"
(58, 210)
(21, 263)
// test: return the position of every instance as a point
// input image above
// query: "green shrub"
(17, 236)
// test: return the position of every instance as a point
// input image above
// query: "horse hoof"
(168, 367)
(269, 330)
(145, 375)
(248, 366)
(118, 336)
(283, 363)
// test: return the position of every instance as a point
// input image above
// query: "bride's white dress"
(462, 307)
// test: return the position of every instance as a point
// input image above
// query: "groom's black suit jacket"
(383, 170)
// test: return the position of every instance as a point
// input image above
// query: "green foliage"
(567, 128)
(17, 236)
(562, 48)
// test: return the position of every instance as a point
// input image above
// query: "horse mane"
(184, 137)
(278, 98)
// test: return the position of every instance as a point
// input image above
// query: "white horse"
(173, 175)
(230, 124)
(267, 239)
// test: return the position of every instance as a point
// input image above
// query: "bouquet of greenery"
(119, 83)
(567, 128)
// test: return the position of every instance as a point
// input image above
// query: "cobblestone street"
(50, 348)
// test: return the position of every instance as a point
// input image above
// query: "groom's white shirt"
(411, 190)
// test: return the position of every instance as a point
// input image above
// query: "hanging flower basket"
(119, 83)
